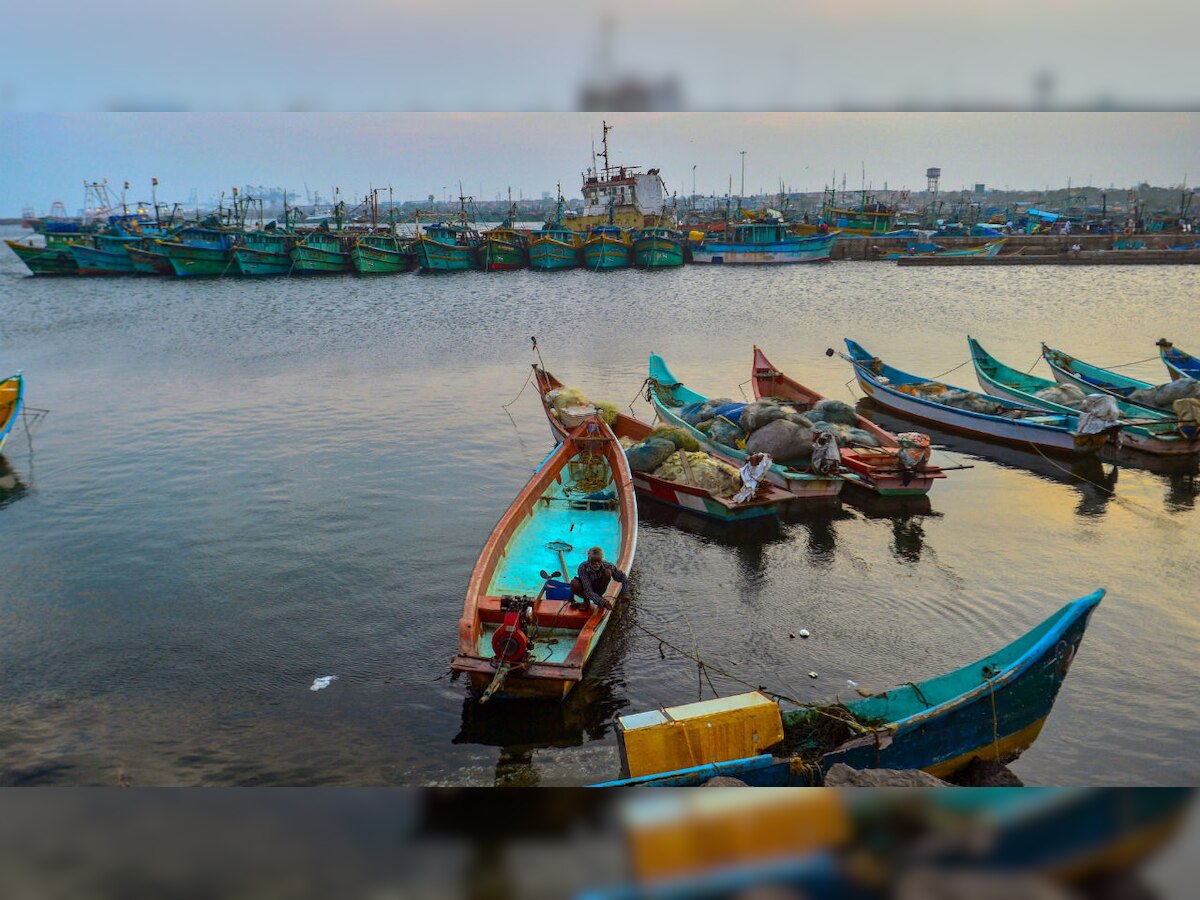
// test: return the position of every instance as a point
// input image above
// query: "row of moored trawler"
(625, 222)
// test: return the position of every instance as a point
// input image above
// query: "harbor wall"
(866, 248)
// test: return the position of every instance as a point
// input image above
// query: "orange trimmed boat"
(879, 468)
(520, 635)
(691, 497)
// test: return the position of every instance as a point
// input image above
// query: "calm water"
(244, 485)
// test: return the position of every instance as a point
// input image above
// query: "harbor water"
(242, 486)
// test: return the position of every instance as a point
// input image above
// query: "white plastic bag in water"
(319, 684)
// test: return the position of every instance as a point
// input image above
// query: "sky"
(47, 156)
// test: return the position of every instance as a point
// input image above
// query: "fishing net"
(649, 454)
(1062, 394)
(1164, 395)
(756, 415)
(677, 436)
(608, 411)
(785, 442)
(721, 479)
(811, 732)
(726, 432)
(836, 411)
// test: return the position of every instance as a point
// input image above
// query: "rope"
(995, 725)
(528, 379)
(948, 371)
(1136, 362)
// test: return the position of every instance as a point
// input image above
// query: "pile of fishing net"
(570, 405)
(812, 731)
(1062, 394)
(703, 470)
(959, 399)
(662, 442)
(1164, 395)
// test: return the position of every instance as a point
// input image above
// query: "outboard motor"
(510, 642)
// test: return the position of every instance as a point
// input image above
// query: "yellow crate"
(696, 734)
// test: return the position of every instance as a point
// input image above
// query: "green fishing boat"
(447, 247)
(381, 254)
(555, 246)
(147, 259)
(321, 253)
(104, 254)
(52, 258)
(657, 248)
(199, 252)
(261, 253)
(606, 247)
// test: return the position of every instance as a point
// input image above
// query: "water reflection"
(11, 486)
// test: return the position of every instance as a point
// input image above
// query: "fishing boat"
(1094, 380)
(448, 246)
(690, 497)
(381, 254)
(104, 254)
(199, 251)
(12, 396)
(619, 195)
(146, 259)
(1000, 380)
(52, 257)
(606, 247)
(1006, 420)
(1178, 363)
(759, 243)
(668, 395)
(992, 248)
(871, 218)
(262, 253)
(991, 710)
(880, 469)
(658, 248)
(520, 635)
(504, 247)
(321, 253)
(555, 246)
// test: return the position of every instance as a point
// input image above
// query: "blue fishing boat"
(669, 396)
(551, 249)
(198, 251)
(12, 396)
(1161, 439)
(519, 635)
(607, 247)
(986, 250)
(965, 411)
(1178, 363)
(757, 243)
(104, 254)
(992, 709)
(1095, 380)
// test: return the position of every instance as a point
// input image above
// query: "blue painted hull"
(797, 250)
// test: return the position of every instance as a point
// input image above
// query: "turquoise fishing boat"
(606, 247)
(519, 634)
(147, 260)
(554, 248)
(986, 250)
(447, 247)
(12, 397)
(321, 253)
(658, 248)
(762, 243)
(52, 257)
(991, 710)
(1094, 380)
(1178, 363)
(669, 396)
(381, 254)
(262, 253)
(999, 380)
(199, 252)
(105, 254)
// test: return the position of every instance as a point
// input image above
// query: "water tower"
(933, 177)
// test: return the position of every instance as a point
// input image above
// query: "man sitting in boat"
(594, 577)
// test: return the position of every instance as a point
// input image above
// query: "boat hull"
(498, 256)
(49, 260)
(600, 254)
(727, 253)
(1178, 363)
(96, 261)
(12, 397)
(256, 263)
(368, 260)
(549, 255)
(194, 261)
(147, 262)
(309, 260)
(1097, 383)
(436, 256)
(657, 253)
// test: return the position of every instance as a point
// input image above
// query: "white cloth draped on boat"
(1097, 412)
(751, 476)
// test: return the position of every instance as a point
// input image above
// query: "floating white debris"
(851, 682)
(323, 682)
(803, 632)
(812, 674)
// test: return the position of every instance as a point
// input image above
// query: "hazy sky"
(46, 157)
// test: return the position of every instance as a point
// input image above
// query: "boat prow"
(12, 397)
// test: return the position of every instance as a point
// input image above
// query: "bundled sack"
(649, 454)
(1164, 395)
(677, 436)
(834, 411)
(690, 413)
(1097, 412)
(723, 431)
(784, 441)
(756, 415)
(914, 449)
(1063, 394)
(711, 474)
(846, 436)
(973, 402)
(1188, 411)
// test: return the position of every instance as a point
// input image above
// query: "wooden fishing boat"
(199, 252)
(668, 395)
(992, 709)
(1094, 380)
(518, 636)
(503, 249)
(1011, 422)
(381, 254)
(447, 247)
(262, 253)
(147, 260)
(554, 248)
(321, 253)
(690, 497)
(1178, 363)
(105, 254)
(658, 248)
(871, 219)
(762, 243)
(1000, 380)
(879, 469)
(12, 396)
(991, 248)
(53, 257)
(606, 247)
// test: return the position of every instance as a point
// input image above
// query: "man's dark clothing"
(590, 583)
